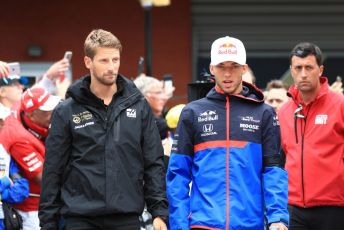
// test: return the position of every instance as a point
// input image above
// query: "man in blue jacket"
(227, 148)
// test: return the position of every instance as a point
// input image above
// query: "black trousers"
(106, 222)
(316, 218)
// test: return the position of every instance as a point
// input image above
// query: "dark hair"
(276, 84)
(305, 49)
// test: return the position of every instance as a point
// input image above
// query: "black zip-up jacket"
(102, 159)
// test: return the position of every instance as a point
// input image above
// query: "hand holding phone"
(168, 85)
(14, 70)
(9, 72)
(68, 56)
(4, 69)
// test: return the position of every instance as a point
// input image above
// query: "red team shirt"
(28, 152)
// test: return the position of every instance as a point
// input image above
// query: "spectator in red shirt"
(23, 134)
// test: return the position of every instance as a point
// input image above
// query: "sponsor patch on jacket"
(82, 119)
(250, 119)
(32, 161)
(208, 115)
(208, 130)
(320, 119)
(249, 124)
(131, 113)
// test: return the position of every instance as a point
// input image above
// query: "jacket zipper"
(302, 163)
(303, 132)
(227, 162)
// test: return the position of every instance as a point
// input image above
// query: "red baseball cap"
(38, 98)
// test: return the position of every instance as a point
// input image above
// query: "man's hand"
(57, 69)
(4, 69)
(159, 224)
(280, 226)
(61, 87)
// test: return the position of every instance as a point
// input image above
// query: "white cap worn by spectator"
(228, 49)
(38, 98)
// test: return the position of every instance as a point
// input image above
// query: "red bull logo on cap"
(227, 45)
(227, 48)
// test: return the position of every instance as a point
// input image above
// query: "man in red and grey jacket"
(23, 135)
(312, 129)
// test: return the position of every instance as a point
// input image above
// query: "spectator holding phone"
(54, 80)
(4, 69)
(10, 90)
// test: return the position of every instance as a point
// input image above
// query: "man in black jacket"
(104, 157)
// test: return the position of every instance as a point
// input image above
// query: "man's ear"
(321, 70)
(88, 62)
(211, 69)
(245, 68)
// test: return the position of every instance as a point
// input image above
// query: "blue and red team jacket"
(224, 168)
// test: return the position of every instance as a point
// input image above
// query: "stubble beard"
(104, 81)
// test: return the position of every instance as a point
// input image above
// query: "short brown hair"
(276, 84)
(100, 38)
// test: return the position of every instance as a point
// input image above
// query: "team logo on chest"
(82, 119)
(249, 124)
(208, 130)
(131, 113)
(321, 119)
(208, 115)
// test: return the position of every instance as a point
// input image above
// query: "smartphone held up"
(168, 85)
(68, 55)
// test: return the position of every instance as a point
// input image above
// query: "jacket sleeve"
(179, 174)
(275, 179)
(154, 169)
(19, 190)
(21, 152)
(58, 146)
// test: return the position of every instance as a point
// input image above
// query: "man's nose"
(303, 72)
